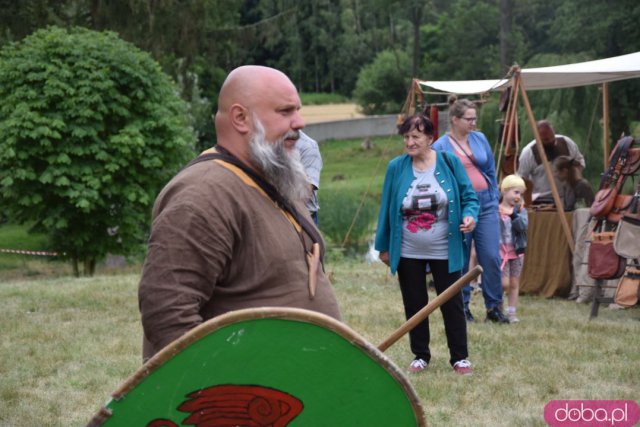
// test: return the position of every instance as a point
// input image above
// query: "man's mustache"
(292, 134)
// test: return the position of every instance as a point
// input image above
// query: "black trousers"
(413, 284)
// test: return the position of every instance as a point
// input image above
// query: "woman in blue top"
(427, 203)
(473, 150)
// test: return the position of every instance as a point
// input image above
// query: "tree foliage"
(362, 48)
(470, 29)
(382, 85)
(324, 44)
(90, 129)
(193, 41)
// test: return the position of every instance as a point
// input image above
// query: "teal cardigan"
(463, 202)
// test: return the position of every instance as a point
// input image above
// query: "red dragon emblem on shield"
(236, 405)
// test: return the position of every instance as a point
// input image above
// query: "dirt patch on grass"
(330, 112)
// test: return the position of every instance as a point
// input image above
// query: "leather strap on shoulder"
(270, 190)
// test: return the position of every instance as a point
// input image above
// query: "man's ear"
(240, 118)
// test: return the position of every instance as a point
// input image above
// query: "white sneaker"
(418, 365)
(463, 367)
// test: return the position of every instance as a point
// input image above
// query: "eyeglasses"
(470, 119)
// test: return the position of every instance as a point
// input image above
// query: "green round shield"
(266, 367)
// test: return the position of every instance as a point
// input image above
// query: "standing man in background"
(555, 145)
(312, 161)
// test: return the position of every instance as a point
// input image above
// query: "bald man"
(230, 231)
(555, 145)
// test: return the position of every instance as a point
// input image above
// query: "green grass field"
(15, 237)
(68, 343)
(348, 166)
(349, 195)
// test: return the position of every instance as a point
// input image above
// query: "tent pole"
(508, 132)
(605, 124)
(514, 127)
(547, 168)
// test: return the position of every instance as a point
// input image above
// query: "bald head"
(246, 82)
(547, 134)
(255, 92)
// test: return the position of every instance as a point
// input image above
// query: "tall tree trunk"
(417, 20)
(96, 6)
(506, 18)
(317, 72)
(76, 269)
(89, 267)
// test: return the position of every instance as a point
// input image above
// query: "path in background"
(330, 112)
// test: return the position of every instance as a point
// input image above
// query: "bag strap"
(471, 158)
(633, 205)
(633, 208)
(561, 148)
(270, 190)
(616, 162)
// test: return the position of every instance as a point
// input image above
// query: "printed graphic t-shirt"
(424, 218)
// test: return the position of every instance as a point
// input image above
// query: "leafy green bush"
(90, 129)
(336, 215)
(382, 85)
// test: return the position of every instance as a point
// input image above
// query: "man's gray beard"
(282, 168)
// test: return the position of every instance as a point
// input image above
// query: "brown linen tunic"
(218, 243)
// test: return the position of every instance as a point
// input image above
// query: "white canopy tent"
(601, 71)
(556, 77)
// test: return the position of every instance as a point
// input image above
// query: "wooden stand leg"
(599, 298)
(595, 305)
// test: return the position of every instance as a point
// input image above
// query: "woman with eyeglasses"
(474, 151)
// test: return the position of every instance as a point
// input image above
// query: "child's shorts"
(512, 267)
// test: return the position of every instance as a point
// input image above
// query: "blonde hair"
(512, 181)
(457, 107)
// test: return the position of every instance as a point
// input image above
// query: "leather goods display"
(632, 164)
(603, 261)
(605, 198)
(627, 239)
(620, 204)
(628, 288)
(612, 179)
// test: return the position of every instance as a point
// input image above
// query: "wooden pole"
(547, 168)
(507, 130)
(513, 122)
(510, 114)
(605, 124)
(429, 308)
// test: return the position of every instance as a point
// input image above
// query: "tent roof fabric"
(466, 86)
(559, 76)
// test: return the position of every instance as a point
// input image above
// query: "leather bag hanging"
(620, 204)
(605, 198)
(612, 180)
(603, 262)
(628, 288)
(626, 242)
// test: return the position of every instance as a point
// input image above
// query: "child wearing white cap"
(513, 239)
